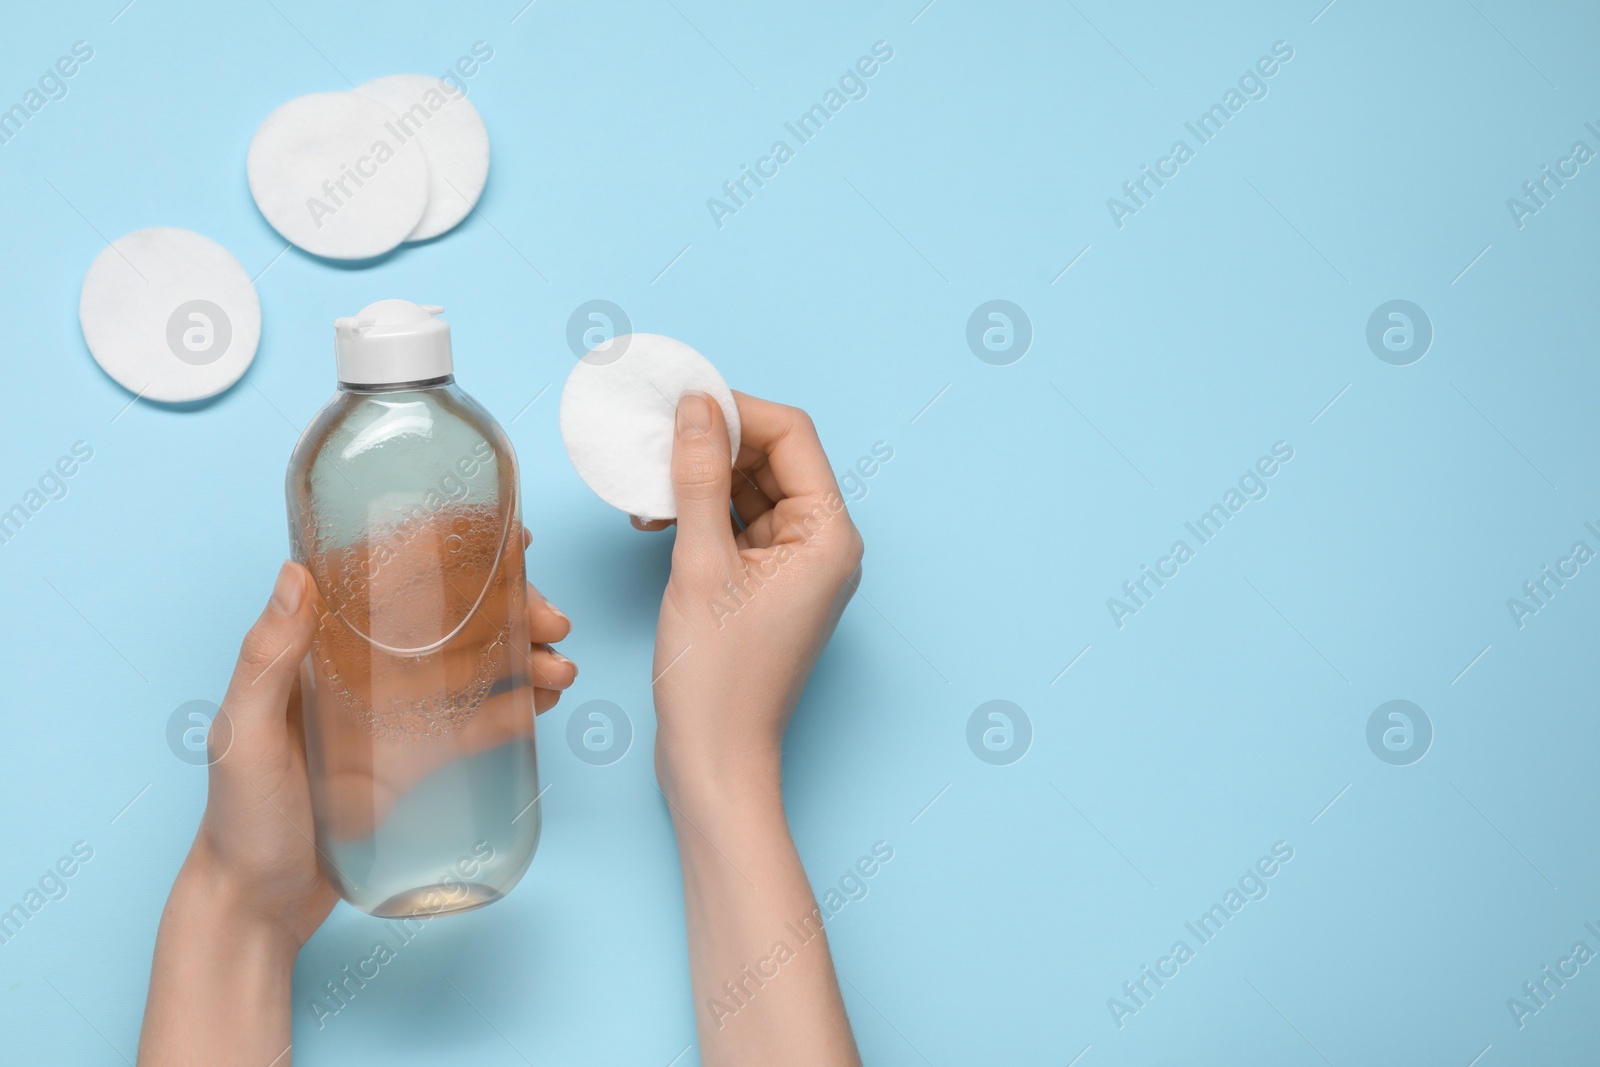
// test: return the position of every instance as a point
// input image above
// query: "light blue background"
(1223, 317)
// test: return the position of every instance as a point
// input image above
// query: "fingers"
(270, 655)
(783, 441)
(546, 622)
(552, 672)
(550, 669)
(750, 499)
(649, 525)
(702, 473)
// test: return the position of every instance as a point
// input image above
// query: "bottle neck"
(397, 387)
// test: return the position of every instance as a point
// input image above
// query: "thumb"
(270, 655)
(702, 475)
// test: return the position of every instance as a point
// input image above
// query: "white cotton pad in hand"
(452, 136)
(335, 175)
(618, 413)
(170, 314)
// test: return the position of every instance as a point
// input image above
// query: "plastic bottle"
(417, 695)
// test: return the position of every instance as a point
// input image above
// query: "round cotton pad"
(336, 175)
(170, 314)
(618, 411)
(452, 136)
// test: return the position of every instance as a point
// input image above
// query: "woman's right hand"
(746, 611)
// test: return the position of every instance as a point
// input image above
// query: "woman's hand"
(254, 845)
(250, 893)
(255, 842)
(746, 611)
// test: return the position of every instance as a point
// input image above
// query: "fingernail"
(559, 613)
(694, 414)
(286, 591)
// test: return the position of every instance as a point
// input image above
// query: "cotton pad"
(335, 174)
(618, 412)
(452, 136)
(170, 314)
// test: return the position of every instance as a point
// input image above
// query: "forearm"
(764, 985)
(219, 982)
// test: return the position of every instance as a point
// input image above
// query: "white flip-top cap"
(392, 341)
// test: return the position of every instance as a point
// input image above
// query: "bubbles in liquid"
(425, 588)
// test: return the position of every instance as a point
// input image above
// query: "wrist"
(222, 975)
(207, 899)
(703, 788)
